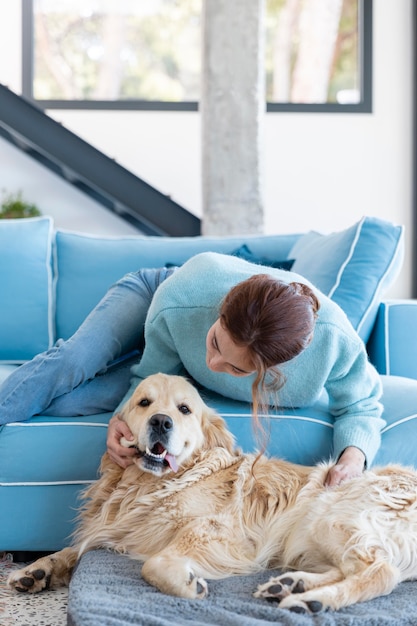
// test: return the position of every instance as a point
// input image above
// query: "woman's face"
(223, 355)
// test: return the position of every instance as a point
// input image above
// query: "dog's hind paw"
(199, 586)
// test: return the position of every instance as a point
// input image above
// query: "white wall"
(10, 45)
(321, 171)
(70, 208)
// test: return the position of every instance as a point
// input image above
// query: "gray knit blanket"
(107, 590)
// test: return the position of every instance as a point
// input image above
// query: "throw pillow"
(26, 320)
(245, 253)
(353, 267)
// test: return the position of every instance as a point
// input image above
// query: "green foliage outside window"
(150, 50)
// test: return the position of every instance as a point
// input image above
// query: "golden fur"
(220, 513)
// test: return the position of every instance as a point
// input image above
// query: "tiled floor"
(48, 608)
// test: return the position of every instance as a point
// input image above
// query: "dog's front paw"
(290, 590)
(301, 605)
(29, 580)
(175, 576)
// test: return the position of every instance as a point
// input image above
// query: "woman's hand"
(350, 464)
(118, 453)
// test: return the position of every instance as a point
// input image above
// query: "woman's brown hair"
(275, 321)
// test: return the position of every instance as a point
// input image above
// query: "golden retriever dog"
(192, 507)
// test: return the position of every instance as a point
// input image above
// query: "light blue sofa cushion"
(62, 456)
(26, 310)
(354, 267)
(392, 346)
(86, 266)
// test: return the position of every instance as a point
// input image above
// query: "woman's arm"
(355, 390)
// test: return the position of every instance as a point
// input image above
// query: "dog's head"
(170, 423)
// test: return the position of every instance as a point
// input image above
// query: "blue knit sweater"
(186, 305)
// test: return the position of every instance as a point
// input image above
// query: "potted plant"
(14, 206)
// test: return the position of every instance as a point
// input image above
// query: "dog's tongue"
(159, 449)
(172, 462)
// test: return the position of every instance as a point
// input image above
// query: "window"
(318, 52)
(146, 54)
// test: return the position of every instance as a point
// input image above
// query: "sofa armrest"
(392, 346)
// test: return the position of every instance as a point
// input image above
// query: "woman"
(225, 324)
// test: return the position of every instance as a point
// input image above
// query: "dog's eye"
(144, 402)
(183, 408)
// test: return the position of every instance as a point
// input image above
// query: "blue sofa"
(49, 282)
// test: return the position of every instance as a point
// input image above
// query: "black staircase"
(116, 188)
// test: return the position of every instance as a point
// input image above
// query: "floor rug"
(107, 590)
(21, 609)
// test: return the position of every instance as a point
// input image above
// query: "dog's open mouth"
(158, 457)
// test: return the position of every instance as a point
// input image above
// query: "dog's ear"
(215, 431)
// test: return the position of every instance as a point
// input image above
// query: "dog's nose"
(161, 423)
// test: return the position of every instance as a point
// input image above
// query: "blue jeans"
(90, 372)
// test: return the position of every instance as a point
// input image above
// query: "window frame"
(363, 106)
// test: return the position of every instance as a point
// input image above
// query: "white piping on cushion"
(278, 417)
(386, 341)
(401, 421)
(348, 258)
(225, 415)
(49, 484)
(51, 286)
(40, 424)
(55, 276)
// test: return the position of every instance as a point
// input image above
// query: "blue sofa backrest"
(86, 266)
(50, 281)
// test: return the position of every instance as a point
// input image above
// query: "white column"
(232, 108)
